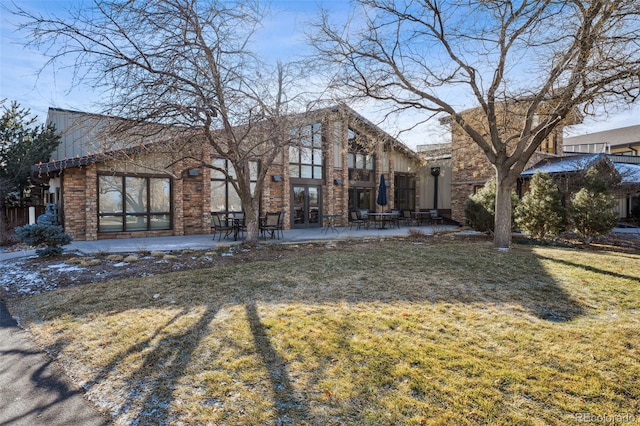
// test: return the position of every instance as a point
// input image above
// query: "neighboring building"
(100, 195)
(623, 173)
(622, 141)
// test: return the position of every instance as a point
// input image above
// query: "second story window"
(305, 156)
(549, 144)
(360, 162)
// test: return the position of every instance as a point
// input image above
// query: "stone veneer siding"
(470, 169)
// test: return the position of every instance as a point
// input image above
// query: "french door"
(306, 206)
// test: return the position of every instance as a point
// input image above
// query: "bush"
(591, 210)
(540, 212)
(51, 236)
(481, 207)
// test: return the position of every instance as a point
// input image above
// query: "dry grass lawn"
(395, 333)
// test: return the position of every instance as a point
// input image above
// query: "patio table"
(381, 219)
(329, 221)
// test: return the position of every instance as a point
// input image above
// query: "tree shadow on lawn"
(491, 278)
(593, 269)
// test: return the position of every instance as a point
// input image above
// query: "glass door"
(306, 206)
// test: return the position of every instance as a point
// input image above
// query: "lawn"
(394, 332)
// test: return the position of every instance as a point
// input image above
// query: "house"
(103, 189)
(621, 171)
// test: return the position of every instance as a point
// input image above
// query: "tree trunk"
(502, 228)
(252, 222)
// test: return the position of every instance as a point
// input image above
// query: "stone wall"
(74, 198)
(471, 169)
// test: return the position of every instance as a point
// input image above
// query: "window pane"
(234, 199)
(317, 135)
(110, 224)
(136, 195)
(305, 172)
(294, 154)
(231, 171)
(160, 195)
(110, 190)
(254, 167)
(317, 157)
(298, 195)
(305, 155)
(313, 195)
(314, 215)
(317, 172)
(160, 221)
(351, 162)
(218, 196)
(306, 136)
(215, 174)
(369, 162)
(136, 223)
(359, 161)
(294, 171)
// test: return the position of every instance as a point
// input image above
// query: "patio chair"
(435, 218)
(407, 218)
(239, 224)
(271, 225)
(355, 220)
(364, 215)
(219, 226)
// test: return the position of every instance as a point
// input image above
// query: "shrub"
(51, 236)
(540, 212)
(591, 209)
(481, 207)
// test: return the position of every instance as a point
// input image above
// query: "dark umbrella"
(382, 192)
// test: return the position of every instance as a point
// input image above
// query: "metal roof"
(629, 172)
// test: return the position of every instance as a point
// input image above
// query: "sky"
(281, 37)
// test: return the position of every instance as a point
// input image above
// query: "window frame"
(308, 154)
(358, 154)
(147, 214)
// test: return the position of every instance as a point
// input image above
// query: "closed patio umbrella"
(382, 192)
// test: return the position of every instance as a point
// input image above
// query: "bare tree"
(525, 66)
(188, 67)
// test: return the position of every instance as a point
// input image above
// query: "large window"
(134, 203)
(361, 163)
(305, 158)
(405, 191)
(224, 197)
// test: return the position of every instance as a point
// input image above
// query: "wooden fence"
(19, 216)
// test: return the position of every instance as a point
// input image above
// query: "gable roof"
(79, 129)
